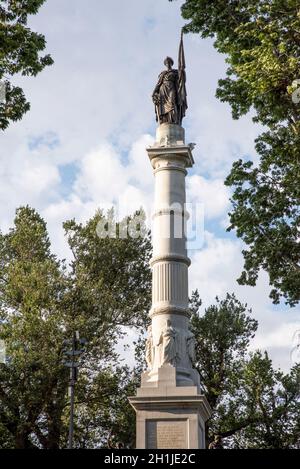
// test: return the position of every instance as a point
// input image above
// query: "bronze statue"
(169, 95)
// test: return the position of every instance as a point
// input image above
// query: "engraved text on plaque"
(167, 434)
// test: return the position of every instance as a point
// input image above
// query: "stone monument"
(171, 410)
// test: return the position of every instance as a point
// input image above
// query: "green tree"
(19, 54)
(261, 41)
(106, 288)
(222, 336)
(104, 415)
(272, 398)
(254, 406)
(42, 302)
(31, 285)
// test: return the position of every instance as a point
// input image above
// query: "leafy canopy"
(20, 50)
(261, 41)
(105, 290)
(254, 405)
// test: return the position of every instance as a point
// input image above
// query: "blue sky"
(83, 143)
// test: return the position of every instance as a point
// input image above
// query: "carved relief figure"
(167, 340)
(191, 346)
(149, 349)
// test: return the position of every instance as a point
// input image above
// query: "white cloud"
(139, 164)
(25, 179)
(104, 179)
(101, 175)
(280, 337)
(57, 213)
(92, 111)
(214, 268)
(212, 193)
(214, 271)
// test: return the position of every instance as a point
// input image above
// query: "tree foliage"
(20, 49)
(254, 405)
(42, 302)
(105, 289)
(261, 41)
(271, 400)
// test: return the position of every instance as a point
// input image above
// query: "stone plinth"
(170, 416)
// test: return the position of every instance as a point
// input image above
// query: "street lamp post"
(72, 355)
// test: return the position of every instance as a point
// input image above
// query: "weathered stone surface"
(166, 434)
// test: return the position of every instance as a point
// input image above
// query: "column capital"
(172, 154)
(170, 257)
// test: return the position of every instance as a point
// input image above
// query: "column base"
(168, 376)
(170, 416)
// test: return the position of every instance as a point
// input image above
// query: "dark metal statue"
(169, 95)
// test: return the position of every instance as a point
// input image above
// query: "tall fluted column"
(171, 411)
(169, 159)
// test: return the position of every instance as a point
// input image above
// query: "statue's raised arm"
(169, 95)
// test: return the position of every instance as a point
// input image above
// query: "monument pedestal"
(170, 416)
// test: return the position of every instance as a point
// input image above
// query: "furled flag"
(182, 96)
